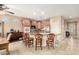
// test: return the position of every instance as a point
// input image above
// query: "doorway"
(72, 28)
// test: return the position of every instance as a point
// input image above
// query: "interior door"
(72, 28)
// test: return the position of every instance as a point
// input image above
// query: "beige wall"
(57, 27)
(55, 24)
(78, 29)
(11, 22)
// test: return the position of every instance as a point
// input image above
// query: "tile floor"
(18, 48)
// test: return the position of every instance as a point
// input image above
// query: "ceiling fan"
(5, 8)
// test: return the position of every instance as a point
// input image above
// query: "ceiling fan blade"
(10, 12)
(3, 7)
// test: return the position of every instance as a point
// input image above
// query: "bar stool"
(27, 40)
(38, 41)
(50, 41)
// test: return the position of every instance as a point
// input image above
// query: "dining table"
(4, 44)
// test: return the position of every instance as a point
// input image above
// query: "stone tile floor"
(18, 48)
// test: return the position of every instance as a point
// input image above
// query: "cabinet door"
(25, 23)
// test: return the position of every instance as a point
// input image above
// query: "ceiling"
(42, 11)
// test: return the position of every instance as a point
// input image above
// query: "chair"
(50, 41)
(27, 40)
(31, 40)
(4, 44)
(38, 41)
(9, 36)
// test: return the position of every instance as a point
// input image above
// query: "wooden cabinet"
(42, 26)
(26, 23)
(38, 24)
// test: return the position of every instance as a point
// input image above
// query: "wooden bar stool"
(27, 40)
(31, 41)
(50, 41)
(38, 41)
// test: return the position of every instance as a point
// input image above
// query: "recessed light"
(70, 17)
(42, 12)
(34, 13)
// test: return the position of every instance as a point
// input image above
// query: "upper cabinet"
(42, 25)
(26, 23)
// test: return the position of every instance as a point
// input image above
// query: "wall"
(57, 27)
(63, 27)
(78, 28)
(55, 24)
(1, 26)
(11, 22)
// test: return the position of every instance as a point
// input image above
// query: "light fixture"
(34, 13)
(70, 17)
(42, 12)
(28, 16)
